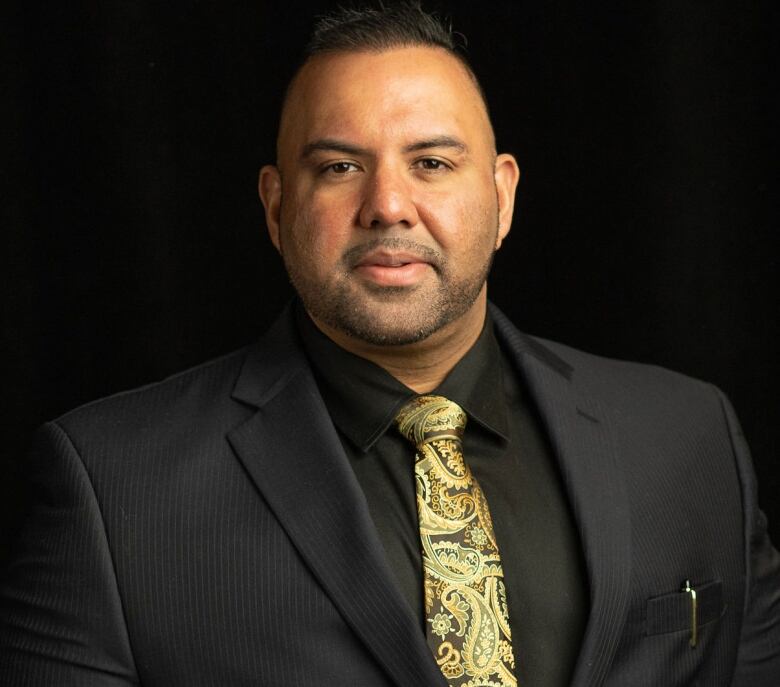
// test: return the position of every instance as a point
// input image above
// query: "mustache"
(354, 255)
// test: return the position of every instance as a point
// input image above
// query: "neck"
(422, 365)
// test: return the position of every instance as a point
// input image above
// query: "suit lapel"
(593, 479)
(294, 456)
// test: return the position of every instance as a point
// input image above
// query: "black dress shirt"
(507, 450)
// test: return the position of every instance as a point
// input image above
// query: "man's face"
(389, 200)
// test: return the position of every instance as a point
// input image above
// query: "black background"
(134, 244)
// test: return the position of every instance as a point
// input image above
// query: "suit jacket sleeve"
(62, 619)
(758, 659)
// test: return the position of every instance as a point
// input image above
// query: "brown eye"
(432, 164)
(341, 167)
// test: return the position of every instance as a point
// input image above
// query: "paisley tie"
(467, 619)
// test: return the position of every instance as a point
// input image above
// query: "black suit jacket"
(208, 530)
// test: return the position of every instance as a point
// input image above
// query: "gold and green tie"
(467, 619)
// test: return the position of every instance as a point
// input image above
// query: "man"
(312, 511)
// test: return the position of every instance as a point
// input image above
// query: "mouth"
(392, 268)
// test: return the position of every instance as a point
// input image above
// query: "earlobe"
(507, 174)
(270, 189)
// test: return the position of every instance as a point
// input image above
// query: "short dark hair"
(379, 28)
(383, 27)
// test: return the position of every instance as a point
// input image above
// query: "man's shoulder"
(609, 368)
(205, 393)
(642, 399)
(606, 370)
(614, 380)
(190, 395)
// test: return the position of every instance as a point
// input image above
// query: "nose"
(387, 201)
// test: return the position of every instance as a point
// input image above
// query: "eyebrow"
(437, 142)
(332, 144)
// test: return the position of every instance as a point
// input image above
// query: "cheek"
(462, 222)
(318, 230)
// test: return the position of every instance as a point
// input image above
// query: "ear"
(269, 186)
(507, 174)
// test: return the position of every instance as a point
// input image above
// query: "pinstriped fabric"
(761, 636)
(159, 552)
(209, 580)
(577, 428)
(688, 505)
(220, 581)
(329, 522)
(66, 528)
(670, 534)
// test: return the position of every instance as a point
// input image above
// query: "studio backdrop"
(135, 245)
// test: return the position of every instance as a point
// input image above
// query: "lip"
(390, 268)
(386, 258)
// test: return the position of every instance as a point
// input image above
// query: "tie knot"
(425, 418)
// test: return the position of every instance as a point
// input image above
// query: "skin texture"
(388, 203)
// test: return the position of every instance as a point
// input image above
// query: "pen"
(694, 629)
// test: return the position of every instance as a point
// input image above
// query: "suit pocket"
(672, 612)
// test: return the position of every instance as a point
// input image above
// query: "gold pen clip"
(687, 589)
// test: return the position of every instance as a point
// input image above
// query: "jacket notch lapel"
(295, 458)
(590, 467)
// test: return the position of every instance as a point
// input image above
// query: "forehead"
(376, 96)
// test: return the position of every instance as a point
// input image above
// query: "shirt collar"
(363, 398)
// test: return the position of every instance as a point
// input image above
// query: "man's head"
(378, 29)
(388, 199)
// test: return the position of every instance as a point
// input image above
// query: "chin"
(376, 333)
(390, 316)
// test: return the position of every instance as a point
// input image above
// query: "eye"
(341, 168)
(432, 164)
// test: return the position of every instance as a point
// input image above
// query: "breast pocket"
(657, 646)
(675, 612)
